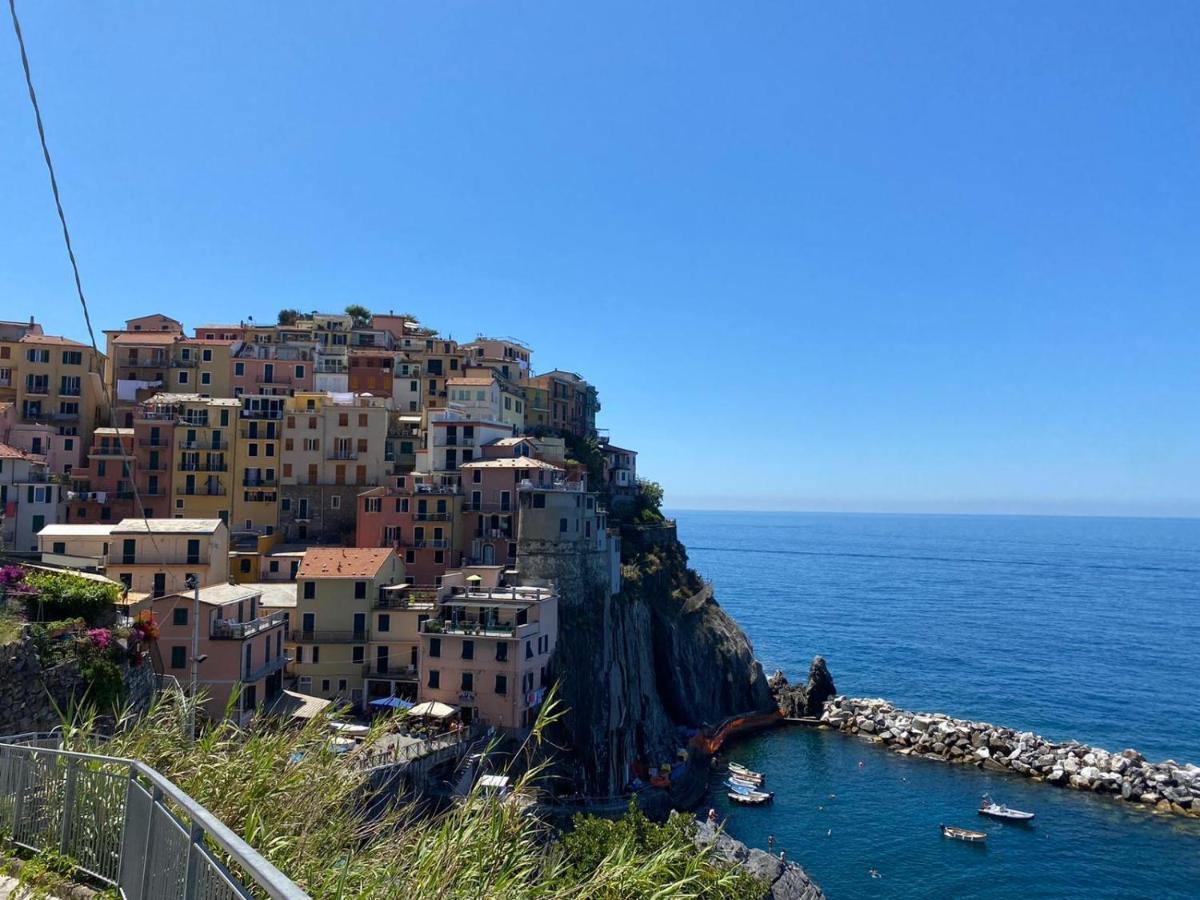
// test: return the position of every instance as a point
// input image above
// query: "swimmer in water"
(875, 873)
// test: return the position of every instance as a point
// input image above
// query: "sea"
(1075, 628)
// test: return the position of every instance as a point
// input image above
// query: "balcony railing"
(392, 673)
(427, 545)
(471, 627)
(274, 378)
(253, 434)
(61, 416)
(204, 467)
(342, 454)
(260, 482)
(265, 669)
(489, 507)
(455, 442)
(184, 363)
(236, 631)
(329, 637)
(261, 414)
(200, 491)
(137, 362)
(194, 421)
(431, 516)
(216, 446)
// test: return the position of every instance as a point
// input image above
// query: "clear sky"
(854, 256)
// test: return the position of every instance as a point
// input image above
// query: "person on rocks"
(712, 816)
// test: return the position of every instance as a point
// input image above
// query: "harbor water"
(1076, 628)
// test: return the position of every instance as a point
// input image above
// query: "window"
(342, 684)
(360, 590)
(316, 651)
(72, 358)
(239, 368)
(529, 649)
(299, 653)
(372, 504)
(245, 566)
(178, 657)
(343, 420)
(362, 420)
(183, 377)
(206, 378)
(335, 502)
(325, 685)
(434, 678)
(468, 681)
(477, 476)
(356, 655)
(435, 646)
(299, 371)
(38, 356)
(468, 649)
(539, 501)
(206, 355)
(501, 651)
(310, 590)
(385, 622)
(562, 525)
(179, 616)
(501, 684)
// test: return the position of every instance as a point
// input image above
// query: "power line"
(62, 218)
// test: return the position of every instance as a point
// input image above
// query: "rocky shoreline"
(783, 880)
(1166, 787)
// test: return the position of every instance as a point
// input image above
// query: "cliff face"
(634, 667)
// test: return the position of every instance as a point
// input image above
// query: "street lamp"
(194, 583)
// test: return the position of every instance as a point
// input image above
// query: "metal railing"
(236, 631)
(125, 825)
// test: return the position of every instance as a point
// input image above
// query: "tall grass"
(290, 797)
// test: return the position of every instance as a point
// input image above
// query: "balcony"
(471, 627)
(455, 442)
(274, 378)
(436, 489)
(329, 637)
(431, 516)
(426, 545)
(194, 421)
(266, 669)
(64, 416)
(184, 363)
(136, 362)
(214, 446)
(37, 389)
(506, 508)
(391, 673)
(237, 631)
(214, 490)
(342, 454)
(210, 466)
(107, 450)
(261, 413)
(159, 465)
(260, 482)
(252, 432)
(332, 370)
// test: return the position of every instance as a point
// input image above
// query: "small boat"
(751, 798)
(741, 787)
(742, 772)
(989, 807)
(963, 834)
(750, 782)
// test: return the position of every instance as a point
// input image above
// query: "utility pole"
(194, 583)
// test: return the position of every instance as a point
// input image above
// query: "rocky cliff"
(637, 668)
(807, 702)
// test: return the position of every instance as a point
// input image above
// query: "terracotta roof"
(343, 562)
(510, 462)
(51, 339)
(147, 337)
(486, 381)
(8, 452)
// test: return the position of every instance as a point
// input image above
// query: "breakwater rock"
(783, 880)
(797, 702)
(1166, 786)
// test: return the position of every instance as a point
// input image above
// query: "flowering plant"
(100, 637)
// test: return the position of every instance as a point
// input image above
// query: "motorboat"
(742, 772)
(751, 798)
(989, 807)
(963, 834)
(738, 779)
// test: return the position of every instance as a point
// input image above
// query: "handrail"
(134, 872)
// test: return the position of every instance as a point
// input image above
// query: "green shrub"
(61, 595)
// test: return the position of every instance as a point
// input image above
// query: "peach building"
(487, 650)
(241, 646)
(491, 491)
(156, 557)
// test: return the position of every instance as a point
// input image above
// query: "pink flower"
(100, 637)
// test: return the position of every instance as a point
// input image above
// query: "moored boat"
(963, 834)
(742, 772)
(746, 781)
(751, 798)
(988, 807)
(740, 786)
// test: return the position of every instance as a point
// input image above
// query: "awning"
(433, 709)
(298, 706)
(392, 703)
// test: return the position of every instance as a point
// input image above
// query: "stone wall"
(29, 693)
(324, 524)
(1166, 786)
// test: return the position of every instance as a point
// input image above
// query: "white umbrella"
(432, 709)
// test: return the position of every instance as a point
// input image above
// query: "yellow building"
(203, 365)
(256, 462)
(337, 589)
(203, 448)
(156, 556)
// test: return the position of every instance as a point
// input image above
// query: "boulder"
(807, 701)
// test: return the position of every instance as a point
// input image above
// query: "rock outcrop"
(1166, 786)
(804, 702)
(636, 669)
(781, 880)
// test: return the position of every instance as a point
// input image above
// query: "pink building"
(491, 490)
(421, 521)
(241, 646)
(270, 369)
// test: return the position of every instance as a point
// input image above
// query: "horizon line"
(884, 512)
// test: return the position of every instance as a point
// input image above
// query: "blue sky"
(843, 256)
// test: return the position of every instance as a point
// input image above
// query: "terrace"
(225, 629)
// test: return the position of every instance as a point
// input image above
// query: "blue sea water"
(1071, 627)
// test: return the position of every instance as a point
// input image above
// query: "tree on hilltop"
(288, 316)
(360, 314)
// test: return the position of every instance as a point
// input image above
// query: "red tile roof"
(51, 339)
(343, 562)
(147, 337)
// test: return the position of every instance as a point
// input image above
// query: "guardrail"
(125, 825)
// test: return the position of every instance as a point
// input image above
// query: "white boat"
(748, 782)
(740, 786)
(988, 807)
(742, 772)
(751, 798)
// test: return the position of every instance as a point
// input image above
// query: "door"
(489, 555)
(381, 660)
(360, 623)
(160, 583)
